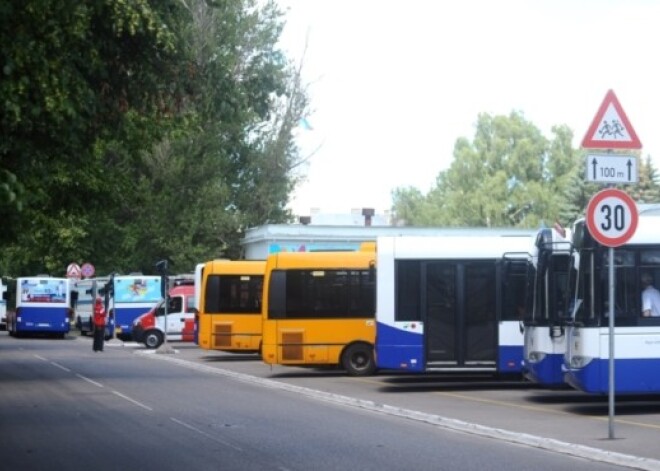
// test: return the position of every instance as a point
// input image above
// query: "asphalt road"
(63, 406)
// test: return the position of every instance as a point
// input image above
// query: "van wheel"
(358, 360)
(153, 339)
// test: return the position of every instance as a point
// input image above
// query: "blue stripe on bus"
(546, 372)
(510, 358)
(631, 376)
(399, 349)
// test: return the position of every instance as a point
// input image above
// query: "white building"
(341, 232)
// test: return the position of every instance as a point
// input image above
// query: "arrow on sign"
(612, 168)
(629, 165)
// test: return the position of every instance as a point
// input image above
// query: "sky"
(394, 83)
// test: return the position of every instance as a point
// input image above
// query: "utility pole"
(162, 268)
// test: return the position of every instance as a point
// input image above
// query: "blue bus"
(636, 338)
(448, 304)
(547, 311)
(130, 297)
(43, 306)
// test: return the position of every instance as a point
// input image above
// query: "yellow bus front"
(230, 305)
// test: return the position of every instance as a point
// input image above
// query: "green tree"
(229, 167)
(509, 175)
(82, 88)
(133, 131)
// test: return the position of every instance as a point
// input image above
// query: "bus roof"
(236, 267)
(320, 260)
(453, 247)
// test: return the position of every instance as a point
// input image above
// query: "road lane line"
(202, 432)
(95, 383)
(61, 367)
(129, 399)
(445, 423)
(89, 380)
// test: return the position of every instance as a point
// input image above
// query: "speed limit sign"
(612, 217)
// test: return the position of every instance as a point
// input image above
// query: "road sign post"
(612, 220)
(611, 214)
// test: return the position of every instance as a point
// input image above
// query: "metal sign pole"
(162, 268)
(165, 303)
(611, 359)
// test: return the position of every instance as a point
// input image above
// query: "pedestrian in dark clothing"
(99, 325)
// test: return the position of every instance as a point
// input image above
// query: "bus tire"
(358, 360)
(153, 339)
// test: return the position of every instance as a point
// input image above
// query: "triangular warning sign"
(610, 128)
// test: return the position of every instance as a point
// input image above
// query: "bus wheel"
(358, 360)
(153, 339)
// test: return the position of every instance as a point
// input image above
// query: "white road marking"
(129, 399)
(60, 367)
(89, 380)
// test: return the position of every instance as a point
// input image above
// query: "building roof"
(313, 233)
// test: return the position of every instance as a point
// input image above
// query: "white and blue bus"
(130, 297)
(43, 306)
(86, 290)
(636, 338)
(551, 277)
(452, 303)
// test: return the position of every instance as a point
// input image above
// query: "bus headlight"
(535, 357)
(579, 361)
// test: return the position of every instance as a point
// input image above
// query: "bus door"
(460, 316)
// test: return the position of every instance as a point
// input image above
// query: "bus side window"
(277, 295)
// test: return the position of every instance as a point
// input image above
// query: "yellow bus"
(229, 311)
(319, 309)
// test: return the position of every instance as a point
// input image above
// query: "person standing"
(99, 325)
(650, 297)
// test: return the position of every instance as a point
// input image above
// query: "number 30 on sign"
(612, 217)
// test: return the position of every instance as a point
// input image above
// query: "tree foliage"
(134, 130)
(510, 175)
